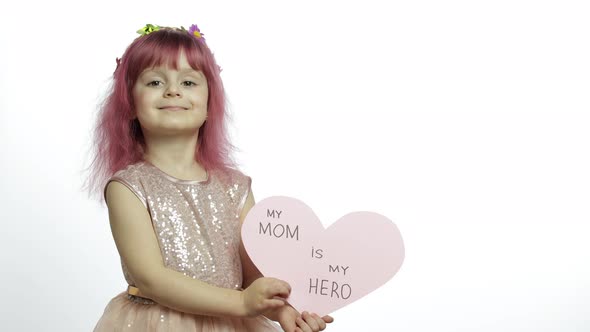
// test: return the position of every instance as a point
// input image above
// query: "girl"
(175, 199)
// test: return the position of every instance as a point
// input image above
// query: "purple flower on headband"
(194, 31)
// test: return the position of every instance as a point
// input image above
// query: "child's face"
(169, 101)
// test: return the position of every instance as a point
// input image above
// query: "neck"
(175, 156)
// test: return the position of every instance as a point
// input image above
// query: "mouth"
(173, 108)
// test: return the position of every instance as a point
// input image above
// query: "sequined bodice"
(196, 222)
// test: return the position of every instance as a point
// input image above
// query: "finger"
(319, 321)
(303, 325)
(283, 283)
(288, 325)
(272, 303)
(285, 287)
(310, 320)
(278, 288)
(328, 319)
(286, 284)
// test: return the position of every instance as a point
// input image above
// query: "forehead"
(163, 57)
(173, 61)
(178, 63)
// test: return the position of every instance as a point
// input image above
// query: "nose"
(172, 91)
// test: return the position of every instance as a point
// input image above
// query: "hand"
(312, 322)
(292, 321)
(260, 295)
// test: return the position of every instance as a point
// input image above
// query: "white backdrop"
(465, 122)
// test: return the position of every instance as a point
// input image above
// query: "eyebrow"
(182, 71)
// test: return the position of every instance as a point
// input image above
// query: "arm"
(249, 271)
(138, 246)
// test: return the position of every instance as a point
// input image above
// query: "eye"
(155, 83)
(189, 83)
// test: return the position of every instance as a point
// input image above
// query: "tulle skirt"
(123, 314)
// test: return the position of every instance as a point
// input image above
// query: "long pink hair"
(118, 139)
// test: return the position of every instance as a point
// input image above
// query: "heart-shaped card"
(326, 268)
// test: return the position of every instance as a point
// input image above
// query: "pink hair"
(118, 138)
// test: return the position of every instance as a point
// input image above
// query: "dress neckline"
(175, 179)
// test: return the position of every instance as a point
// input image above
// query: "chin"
(185, 124)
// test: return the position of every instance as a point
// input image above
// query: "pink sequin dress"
(198, 229)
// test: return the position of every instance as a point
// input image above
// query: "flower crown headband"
(193, 30)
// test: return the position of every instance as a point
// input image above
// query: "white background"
(465, 122)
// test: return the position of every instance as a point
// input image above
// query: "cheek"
(140, 100)
(205, 98)
(199, 99)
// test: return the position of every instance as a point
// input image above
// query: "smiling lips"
(173, 108)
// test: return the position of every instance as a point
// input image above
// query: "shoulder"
(132, 177)
(132, 172)
(235, 184)
(232, 178)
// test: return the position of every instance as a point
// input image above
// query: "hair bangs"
(165, 48)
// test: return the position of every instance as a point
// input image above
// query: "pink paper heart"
(326, 268)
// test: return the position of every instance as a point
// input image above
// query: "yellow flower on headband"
(149, 28)
(193, 31)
